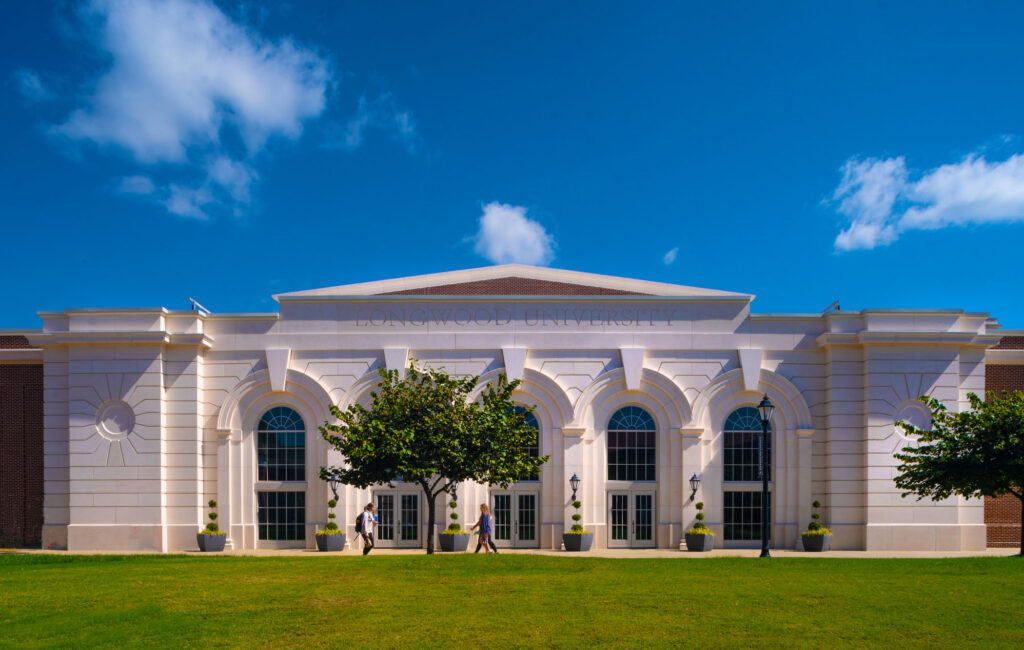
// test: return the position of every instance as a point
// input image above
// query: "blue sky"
(803, 152)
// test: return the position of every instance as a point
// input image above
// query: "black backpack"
(359, 523)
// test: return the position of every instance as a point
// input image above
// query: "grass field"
(508, 601)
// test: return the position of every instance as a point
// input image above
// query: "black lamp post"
(574, 483)
(765, 408)
(694, 484)
(333, 482)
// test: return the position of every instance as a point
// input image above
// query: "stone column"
(804, 441)
(692, 463)
(184, 492)
(572, 445)
(56, 512)
(224, 482)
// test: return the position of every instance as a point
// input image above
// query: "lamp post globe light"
(765, 408)
(577, 538)
(694, 484)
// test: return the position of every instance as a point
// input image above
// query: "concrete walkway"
(602, 553)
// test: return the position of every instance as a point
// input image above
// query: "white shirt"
(367, 522)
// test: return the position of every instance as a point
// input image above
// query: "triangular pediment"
(511, 280)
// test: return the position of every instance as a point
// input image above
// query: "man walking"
(367, 521)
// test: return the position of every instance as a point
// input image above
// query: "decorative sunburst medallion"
(914, 412)
(115, 420)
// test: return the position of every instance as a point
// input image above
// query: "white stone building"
(637, 386)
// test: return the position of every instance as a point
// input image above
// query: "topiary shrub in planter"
(211, 538)
(700, 537)
(331, 538)
(578, 538)
(454, 538)
(816, 538)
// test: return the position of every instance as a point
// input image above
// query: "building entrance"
(514, 515)
(398, 519)
(631, 519)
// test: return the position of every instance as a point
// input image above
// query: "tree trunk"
(430, 521)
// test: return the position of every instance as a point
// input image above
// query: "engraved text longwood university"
(525, 316)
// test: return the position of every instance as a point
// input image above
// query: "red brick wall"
(1011, 343)
(21, 454)
(1000, 378)
(1002, 520)
(1002, 514)
(13, 342)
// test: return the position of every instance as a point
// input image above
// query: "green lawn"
(508, 600)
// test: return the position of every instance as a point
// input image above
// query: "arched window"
(281, 446)
(742, 434)
(534, 449)
(281, 458)
(632, 451)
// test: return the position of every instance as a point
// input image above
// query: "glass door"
(384, 532)
(631, 519)
(398, 519)
(409, 520)
(643, 520)
(501, 518)
(526, 520)
(618, 519)
(514, 519)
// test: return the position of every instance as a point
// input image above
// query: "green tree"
(979, 452)
(424, 429)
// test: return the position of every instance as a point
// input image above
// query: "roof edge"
(509, 270)
(284, 299)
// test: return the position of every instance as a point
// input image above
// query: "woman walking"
(366, 523)
(484, 523)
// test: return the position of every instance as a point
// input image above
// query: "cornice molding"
(907, 338)
(573, 431)
(159, 337)
(1004, 357)
(22, 355)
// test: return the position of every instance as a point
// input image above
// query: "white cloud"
(181, 70)
(184, 81)
(881, 201)
(137, 184)
(187, 201)
(671, 256)
(32, 87)
(235, 177)
(382, 113)
(508, 236)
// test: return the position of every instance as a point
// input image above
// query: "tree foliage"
(424, 429)
(978, 452)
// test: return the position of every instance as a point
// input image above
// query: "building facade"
(146, 414)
